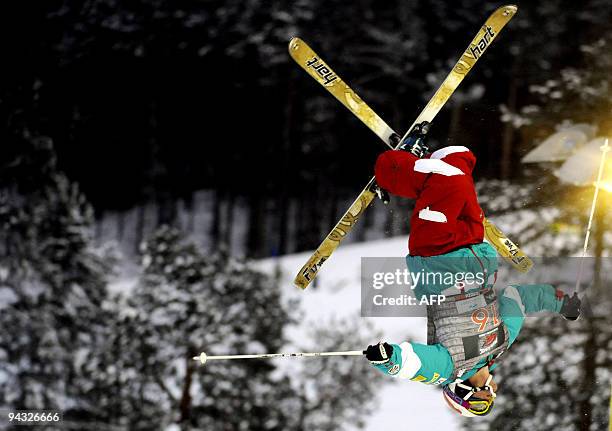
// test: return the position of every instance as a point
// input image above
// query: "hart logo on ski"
(324, 75)
(312, 269)
(322, 69)
(482, 44)
(509, 250)
(474, 51)
(512, 248)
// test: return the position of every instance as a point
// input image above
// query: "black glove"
(379, 353)
(416, 141)
(571, 307)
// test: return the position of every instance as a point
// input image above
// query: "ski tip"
(509, 9)
(300, 283)
(294, 43)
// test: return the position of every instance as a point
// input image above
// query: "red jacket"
(446, 213)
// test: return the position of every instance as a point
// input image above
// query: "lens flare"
(605, 185)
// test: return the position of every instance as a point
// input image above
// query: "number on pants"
(481, 317)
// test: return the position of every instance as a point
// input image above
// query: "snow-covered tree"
(333, 394)
(579, 93)
(187, 302)
(52, 284)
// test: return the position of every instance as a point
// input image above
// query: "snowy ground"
(338, 295)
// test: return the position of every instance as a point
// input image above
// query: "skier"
(473, 327)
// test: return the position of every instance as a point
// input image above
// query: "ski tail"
(309, 271)
(506, 248)
(479, 44)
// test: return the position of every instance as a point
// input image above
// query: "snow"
(337, 295)
(7, 297)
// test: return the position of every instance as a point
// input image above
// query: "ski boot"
(416, 141)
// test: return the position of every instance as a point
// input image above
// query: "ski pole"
(610, 418)
(604, 149)
(203, 357)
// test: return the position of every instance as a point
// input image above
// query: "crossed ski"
(324, 75)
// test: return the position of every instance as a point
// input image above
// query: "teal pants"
(468, 268)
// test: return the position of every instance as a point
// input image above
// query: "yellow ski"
(506, 248)
(323, 74)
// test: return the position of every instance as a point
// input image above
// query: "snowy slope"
(338, 295)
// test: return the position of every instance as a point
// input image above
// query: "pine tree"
(187, 303)
(53, 284)
(184, 304)
(334, 394)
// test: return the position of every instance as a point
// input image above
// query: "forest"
(149, 102)
(172, 140)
